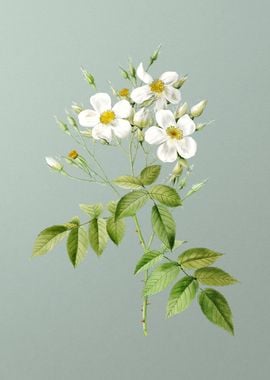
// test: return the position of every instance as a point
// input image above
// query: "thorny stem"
(145, 299)
(141, 239)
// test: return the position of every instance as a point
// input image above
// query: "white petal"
(88, 118)
(170, 77)
(155, 135)
(161, 103)
(102, 132)
(101, 102)
(167, 152)
(140, 94)
(165, 118)
(121, 128)
(186, 124)
(122, 109)
(143, 75)
(187, 147)
(172, 94)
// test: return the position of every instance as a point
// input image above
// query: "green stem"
(131, 155)
(145, 299)
(104, 176)
(77, 178)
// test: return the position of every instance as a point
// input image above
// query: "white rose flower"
(105, 119)
(161, 89)
(173, 137)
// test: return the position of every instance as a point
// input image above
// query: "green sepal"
(195, 188)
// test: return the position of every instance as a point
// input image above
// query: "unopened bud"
(88, 77)
(141, 118)
(182, 110)
(132, 70)
(177, 170)
(178, 84)
(198, 109)
(155, 55)
(53, 164)
(124, 73)
(200, 126)
(86, 133)
(62, 126)
(76, 108)
(72, 121)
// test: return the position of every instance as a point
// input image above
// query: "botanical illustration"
(155, 131)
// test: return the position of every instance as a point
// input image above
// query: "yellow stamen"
(174, 133)
(107, 117)
(123, 92)
(73, 154)
(157, 86)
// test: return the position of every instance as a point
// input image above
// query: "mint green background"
(57, 323)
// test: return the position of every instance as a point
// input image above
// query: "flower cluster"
(148, 113)
(170, 132)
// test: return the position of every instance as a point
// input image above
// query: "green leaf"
(73, 223)
(98, 236)
(111, 206)
(177, 244)
(48, 238)
(115, 229)
(196, 188)
(77, 243)
(198, 258)
(165, 195)
(214, 277)
(128, 182)
(149, 259)
(181, 296)
(163, 225)
(216, 308)
(130, 203)
(93, 210)
(160, 278)
(150, 174)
